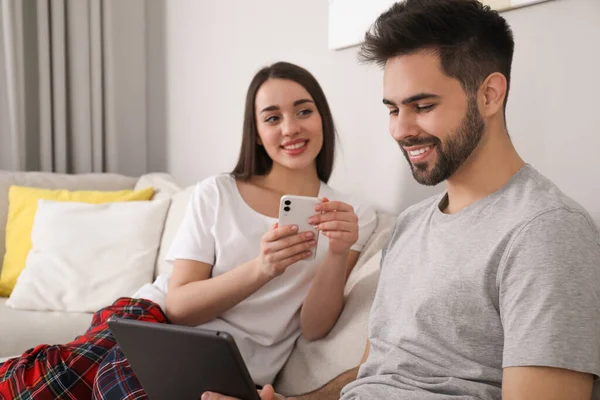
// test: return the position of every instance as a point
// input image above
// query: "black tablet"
(179, 362)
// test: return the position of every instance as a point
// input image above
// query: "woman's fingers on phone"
(327, 206)
(288, 247)
(289, 241)
(342, 235)
(342, 226)
(282, 265)
(333, 216)
(279, 232)
(298, 248)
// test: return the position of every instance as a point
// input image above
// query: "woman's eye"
(305, 112)
(272, 119)
(425, 108)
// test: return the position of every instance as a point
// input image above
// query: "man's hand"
(268, 393)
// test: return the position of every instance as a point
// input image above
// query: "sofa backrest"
(47, 180)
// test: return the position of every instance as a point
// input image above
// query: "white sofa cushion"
(85, 256)
(21, 330)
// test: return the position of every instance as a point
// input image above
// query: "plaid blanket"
(68, 371)
(116, 380)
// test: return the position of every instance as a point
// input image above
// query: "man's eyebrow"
(420, 96)
(412, 99)
(296, 103)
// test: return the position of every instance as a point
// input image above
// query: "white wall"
(214, 48)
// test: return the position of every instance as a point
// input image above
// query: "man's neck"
(489, 168)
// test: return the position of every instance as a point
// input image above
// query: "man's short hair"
(472, 40)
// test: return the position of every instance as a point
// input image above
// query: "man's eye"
(393, 111)
(425, 108)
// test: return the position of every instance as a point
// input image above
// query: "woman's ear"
(259, 140)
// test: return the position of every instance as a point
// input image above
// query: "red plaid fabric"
(68, 371)
(116, 380)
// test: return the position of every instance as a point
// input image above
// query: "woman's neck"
(286, 181)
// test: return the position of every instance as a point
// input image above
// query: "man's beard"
(453, 153)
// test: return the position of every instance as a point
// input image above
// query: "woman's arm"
(194, 298)
(325, 299)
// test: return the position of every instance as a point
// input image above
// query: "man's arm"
(525, 383)
(549, 291)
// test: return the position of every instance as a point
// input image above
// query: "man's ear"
(492, 94)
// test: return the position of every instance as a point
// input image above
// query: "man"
(491, 290)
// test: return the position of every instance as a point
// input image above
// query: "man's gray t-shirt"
(512, 280)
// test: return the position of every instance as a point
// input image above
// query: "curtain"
(74, 89)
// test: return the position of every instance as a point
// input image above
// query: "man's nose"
(403, 126)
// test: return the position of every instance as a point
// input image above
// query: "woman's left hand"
(338, 221)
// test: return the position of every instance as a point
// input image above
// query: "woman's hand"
(281, 247)
(338, 221)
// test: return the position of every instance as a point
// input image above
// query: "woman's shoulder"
(215, 187)
(215, 183)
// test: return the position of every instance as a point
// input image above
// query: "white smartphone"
(296, 210)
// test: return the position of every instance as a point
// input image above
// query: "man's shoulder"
(534, 196)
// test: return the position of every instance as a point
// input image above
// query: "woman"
(231, 259)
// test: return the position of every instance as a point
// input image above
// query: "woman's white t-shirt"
(221, 229)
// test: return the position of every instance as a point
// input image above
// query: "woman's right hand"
(281, 247)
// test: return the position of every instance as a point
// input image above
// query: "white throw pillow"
(85, 256)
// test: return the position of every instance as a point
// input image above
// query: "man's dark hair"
(472, 40)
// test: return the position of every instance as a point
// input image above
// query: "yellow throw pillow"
(22, 206)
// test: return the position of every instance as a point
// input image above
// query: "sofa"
(310, 365)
